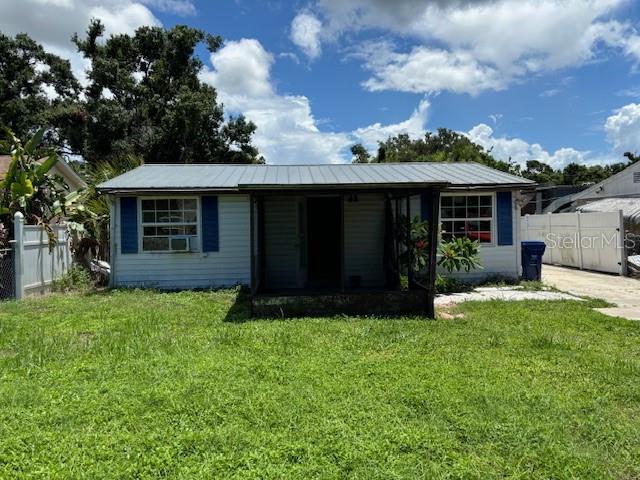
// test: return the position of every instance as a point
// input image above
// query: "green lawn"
(141, 384)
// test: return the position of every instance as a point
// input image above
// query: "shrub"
(450, 285)
(77, 279)
(458, 254)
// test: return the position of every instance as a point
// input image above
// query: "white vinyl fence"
(35, 265)
(590, 241)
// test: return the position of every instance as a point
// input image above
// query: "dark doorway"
(324, 234)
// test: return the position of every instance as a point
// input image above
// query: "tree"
(37, 88)
(577, 174)
(542, 173)
(144, 98)
(360, 154)
(443, 146)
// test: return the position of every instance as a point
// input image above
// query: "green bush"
(77, 279)
(450, 285)
(458, 254)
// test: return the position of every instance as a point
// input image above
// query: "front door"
(324, 234)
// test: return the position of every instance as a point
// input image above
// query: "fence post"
(18, 253)
(622, 245)
(548, 235)
(579, 240)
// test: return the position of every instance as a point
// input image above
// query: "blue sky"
(555, 80)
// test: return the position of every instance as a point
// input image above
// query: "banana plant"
(28, 186)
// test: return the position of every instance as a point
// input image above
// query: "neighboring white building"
(624, 184)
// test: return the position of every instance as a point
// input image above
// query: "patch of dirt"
(448, 312)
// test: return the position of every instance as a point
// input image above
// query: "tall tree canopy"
(573, 173)
(36, 88)
(443, 146)
(144, 98)
(449, 146)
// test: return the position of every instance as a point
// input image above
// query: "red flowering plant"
(455, 255)
(417, 234)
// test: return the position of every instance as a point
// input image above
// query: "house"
(624, 184)
(547, 193)
(61, 168)
(306, 238)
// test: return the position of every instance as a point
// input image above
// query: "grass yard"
(141, 384)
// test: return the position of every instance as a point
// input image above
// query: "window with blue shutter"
(210, 224)
(504, 214)
(129, 225)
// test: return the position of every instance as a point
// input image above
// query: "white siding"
(498, 260)
(503, 260)
(364, 240)
(364, 249)
(230, 265)
(281, 241)
(621, 184)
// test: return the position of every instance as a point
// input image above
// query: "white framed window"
(467, 216)
(169, 224)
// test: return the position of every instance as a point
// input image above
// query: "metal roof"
(254, 177)
(630, 207)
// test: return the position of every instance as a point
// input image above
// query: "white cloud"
(623, 128)
(287, 130)
(305, 33)
(415, 126)
(426, 70)
(178, 7)
(493, 42)
(551, 92)
(53, 22)
(519, 151)
(241, 68)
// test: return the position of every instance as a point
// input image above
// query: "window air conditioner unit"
(180, 244)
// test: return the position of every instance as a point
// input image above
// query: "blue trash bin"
(532, 252)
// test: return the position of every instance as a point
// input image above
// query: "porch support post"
(434, 215)
(261, 246)
(409, 256)
(252, 242)
(396, 221)
(342, 243)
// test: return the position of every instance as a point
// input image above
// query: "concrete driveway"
(623, 292)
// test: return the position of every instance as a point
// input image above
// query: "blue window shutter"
(505, 218)
(210, 226)
(425, 207)
(129, 225)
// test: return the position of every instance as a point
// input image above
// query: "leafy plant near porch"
(29, 188)
(455, 255)
(458, 254)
